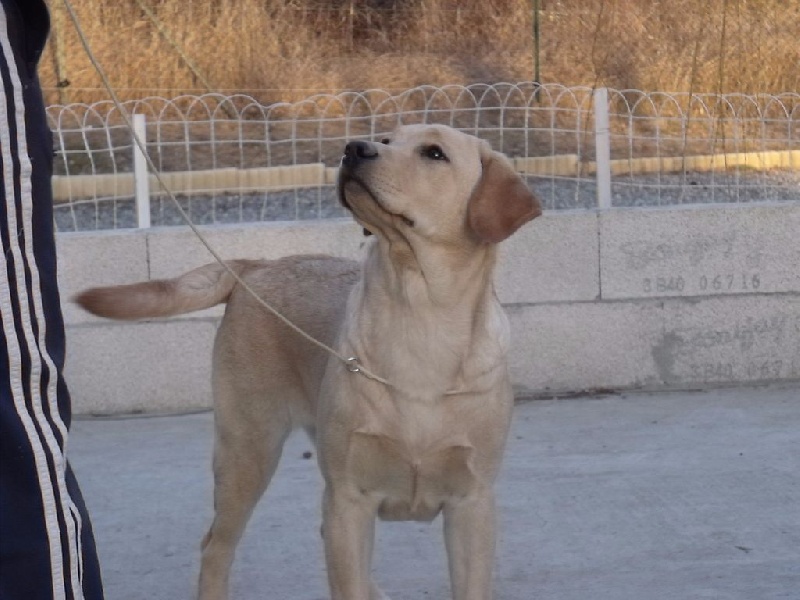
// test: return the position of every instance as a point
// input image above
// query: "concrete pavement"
(669, 496)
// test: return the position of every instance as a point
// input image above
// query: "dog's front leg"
(348, 526)
(469, 537)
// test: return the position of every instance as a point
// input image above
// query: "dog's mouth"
(347, 179)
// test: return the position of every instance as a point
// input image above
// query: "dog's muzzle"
(355, 153)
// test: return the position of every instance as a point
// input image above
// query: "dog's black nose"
(357, 151)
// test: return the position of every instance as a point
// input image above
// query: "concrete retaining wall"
(628, 298)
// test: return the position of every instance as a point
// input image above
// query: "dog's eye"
(433, 152)
(386, 141)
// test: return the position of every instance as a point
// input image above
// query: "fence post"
(602, 140)
(140, 176)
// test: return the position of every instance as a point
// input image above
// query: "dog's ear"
(501, 202)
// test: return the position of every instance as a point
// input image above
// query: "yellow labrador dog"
(420, 312)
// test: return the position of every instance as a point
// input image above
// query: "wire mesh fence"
(230, 158)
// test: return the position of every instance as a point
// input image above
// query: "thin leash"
(351, 362)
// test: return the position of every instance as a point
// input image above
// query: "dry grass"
(297, 47)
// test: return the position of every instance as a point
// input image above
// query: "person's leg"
(46, 545)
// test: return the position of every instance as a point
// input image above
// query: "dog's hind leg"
(247, 449)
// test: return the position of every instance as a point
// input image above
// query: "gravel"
(672, 189)
(321, 203)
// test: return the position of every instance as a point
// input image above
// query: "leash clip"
(352, 365)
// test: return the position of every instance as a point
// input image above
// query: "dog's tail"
(203, 287)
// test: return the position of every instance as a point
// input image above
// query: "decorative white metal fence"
(232, 159)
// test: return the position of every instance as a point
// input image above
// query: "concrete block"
(554, 258)
(162, 366)
(93, 259)
(699, 251)
(580, 346)
(726, 340)
(655, 343)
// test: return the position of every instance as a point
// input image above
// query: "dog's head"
(435, 183)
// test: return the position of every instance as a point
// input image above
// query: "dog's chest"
(412, 478)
